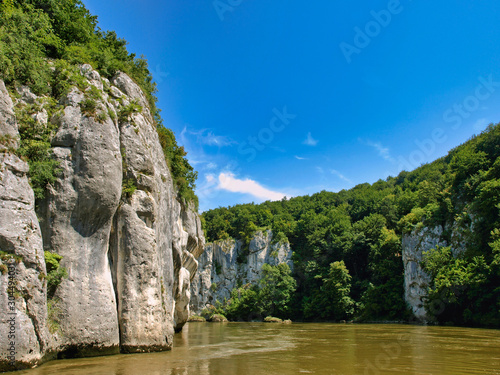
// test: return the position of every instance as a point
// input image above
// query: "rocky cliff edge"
(128, 244)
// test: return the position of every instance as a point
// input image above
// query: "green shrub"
(128, 187)
(88, 107)
(41, 45)
(125, 112)
(36, 148)
(53, 314)
(55, 272)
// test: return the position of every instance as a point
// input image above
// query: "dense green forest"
(41, 44)
(347, 245)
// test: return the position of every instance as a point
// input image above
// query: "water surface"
(259, 348)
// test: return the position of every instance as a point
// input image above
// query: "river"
(260, 348)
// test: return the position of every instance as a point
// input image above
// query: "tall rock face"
(416, 280)
(77, 219)
(227, 264)
(415, 244)
(23, 314)
(127, 243)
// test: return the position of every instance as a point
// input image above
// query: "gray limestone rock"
(416, 281)
(8, 127)
(78, 213)
(220, 267)
(130, 258)
(23, 313)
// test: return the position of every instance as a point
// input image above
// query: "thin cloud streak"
(383, 152)
(340, 175)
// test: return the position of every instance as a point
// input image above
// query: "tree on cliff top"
(34, 32)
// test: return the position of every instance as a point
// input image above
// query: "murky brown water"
(258, 348)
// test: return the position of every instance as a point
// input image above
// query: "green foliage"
(218, 318)
(271, 296)
(36, 148)
(363, 228)
(126, 111)
(55, 272)
(182, 172)
(457, 292)
(244, 304)
(128, 187)
(276, 289)
(53, 313)
(218, 267)
(25, 36)
(42, 43)
(332, 300)
(88, 106)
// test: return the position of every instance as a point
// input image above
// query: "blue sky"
(288, 98)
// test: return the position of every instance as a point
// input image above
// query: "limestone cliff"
(23, 315)
(415, 244)
(128, 243)
(227, 263)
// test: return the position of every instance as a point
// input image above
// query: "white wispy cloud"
(340, 175)
(300, 158)
(229, 182)
(310, 141)
(383, 152)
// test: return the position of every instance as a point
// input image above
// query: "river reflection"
(258, 348)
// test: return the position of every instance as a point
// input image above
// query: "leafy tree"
(276, 289)
(332, 301)
(362, 227)
(41, 42)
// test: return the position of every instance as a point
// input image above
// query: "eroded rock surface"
(127, 242)
(225, 264)
(23, 314)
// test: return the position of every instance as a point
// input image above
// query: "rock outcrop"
(127, 242)
(226, 264)
(415, 244)
(416, 280)
(23, 314)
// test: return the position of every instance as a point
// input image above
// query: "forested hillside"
(41, 45)
(347, 245)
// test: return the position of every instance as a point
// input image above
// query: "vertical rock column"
(79, 212)
(416, 279)
(190, 243)
(142, 232)
(24, 338)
